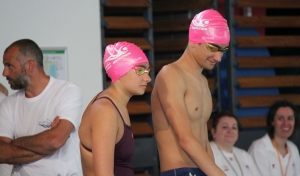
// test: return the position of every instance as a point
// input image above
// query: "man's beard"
(20, 82)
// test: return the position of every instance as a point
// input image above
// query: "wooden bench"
(269, 3)
(127, 3)
(171, 25)
(253, 122)
(247, 122)
(268, 21)
(141, 129)
(268, 81)
(141, 42)
(169, 45)
(268, 62)
(268, 41)
(266, 100)
(180, 5)
(130, 22)
(138, 107)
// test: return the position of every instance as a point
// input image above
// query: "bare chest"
(198, 101)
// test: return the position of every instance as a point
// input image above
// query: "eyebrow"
(218, 46)
(141, 66)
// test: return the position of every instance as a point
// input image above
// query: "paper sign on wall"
(55, 63)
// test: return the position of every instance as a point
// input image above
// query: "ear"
(30, 66)
(192, 45)
(212, 131)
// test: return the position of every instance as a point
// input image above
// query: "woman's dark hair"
(272, 112)
(216, 119)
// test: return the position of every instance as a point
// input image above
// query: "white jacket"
(243, 158)
(265, 156)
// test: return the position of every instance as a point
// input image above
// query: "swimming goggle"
(214, 48)
(141, 70)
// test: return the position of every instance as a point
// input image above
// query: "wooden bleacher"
(268, 41)
(266, 100)
(269, 81)
(141, 42)
(114, 22)
(171, 25)
(170, 45)
(269, 3)
(267, 21)
(274, 61)
(247, 122)
(180, 5)
(268, 62)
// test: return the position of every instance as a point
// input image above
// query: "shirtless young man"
(181, 100)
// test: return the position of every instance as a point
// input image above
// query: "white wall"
(73, 24)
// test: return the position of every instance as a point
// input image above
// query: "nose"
(285, 122)
(230, 130)
(218, 56)
(147, 78)
(5, 72)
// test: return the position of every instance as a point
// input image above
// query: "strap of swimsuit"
(90, 150)
(113, 104)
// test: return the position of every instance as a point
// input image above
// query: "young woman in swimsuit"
(106, 139)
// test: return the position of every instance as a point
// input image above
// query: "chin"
(140, 93)
(286, 135)
(210, 68)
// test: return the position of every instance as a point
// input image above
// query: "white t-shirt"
(2, 96)
(21, 116)
(237, 163)
(265, 156)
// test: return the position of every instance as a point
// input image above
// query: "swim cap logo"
(199, 22)
(116, 53)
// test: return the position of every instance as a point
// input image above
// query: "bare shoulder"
(170, 74)
(169, 69)
(101, 110)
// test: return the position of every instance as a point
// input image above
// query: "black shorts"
(183, 172)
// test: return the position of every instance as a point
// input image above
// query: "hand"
(55, 122)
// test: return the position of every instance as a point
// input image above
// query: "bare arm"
(48, 141)
(104, 136)
(173, 104)
(11, 154)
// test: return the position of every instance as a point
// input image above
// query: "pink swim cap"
(120, 57)
(209, 26)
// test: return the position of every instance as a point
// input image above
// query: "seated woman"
(232, 160)
(274, 154)
(105, 132)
